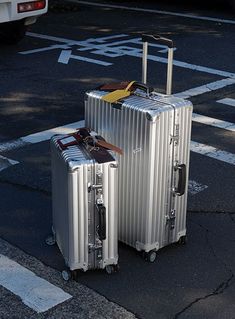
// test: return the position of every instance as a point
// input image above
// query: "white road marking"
(213, 122)
(209, 87)
(40, 136)
(213, 152)
(177, 14)
(227, 101)
(66, 55)
(35, 292)
(91, 44)
(6, 162)
(194, 187)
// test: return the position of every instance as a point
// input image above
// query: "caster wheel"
(66, 275)
(150, 256)
(74, 274)
(182, 240)
(50, 240)
(110, 269)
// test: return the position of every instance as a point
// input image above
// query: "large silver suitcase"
(154, 131)
(85, 206)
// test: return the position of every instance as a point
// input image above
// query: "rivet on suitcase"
(154, 132)
(85, 205)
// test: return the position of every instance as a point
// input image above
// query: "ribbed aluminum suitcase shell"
(79, 184)
(154, 132)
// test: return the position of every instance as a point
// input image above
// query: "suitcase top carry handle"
(157, 38)
(169, 43)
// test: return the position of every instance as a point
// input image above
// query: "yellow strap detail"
(116, 95)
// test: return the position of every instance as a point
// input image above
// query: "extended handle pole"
(144, 62)
(169, 71)
(169, 43)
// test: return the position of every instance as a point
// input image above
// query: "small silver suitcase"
(154, 132)
(85, 205)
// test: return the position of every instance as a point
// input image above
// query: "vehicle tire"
(12, 32)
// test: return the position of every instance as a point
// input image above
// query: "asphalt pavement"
(195, 280)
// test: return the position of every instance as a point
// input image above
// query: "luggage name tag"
(116, 95)
(67, 141)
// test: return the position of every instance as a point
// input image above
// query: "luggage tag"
(69, 140)
(116, 95)
(74, 138)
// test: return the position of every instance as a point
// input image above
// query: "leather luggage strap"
(82, 135)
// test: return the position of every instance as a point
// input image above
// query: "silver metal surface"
(75, 214)
(144, 62)
(169, 71)
(154, 134)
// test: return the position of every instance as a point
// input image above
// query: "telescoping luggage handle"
(146, 38)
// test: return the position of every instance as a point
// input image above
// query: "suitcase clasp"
(171, 219)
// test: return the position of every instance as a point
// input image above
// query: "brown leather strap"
(109, 146)
(82, 135)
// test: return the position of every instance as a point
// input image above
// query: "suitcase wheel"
(182, 240)
(50, 240)
(66, 275)
(150, 256)
(69, 274)
(110, 269)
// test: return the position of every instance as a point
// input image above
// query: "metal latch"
(93, 187)
(171, 219)
(93, 247)
(175, 137)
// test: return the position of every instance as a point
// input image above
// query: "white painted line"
(46, 135)
(137, 53)
(194, 187)
(40, 136)
(177, 14)
(6, 162)
(227, 101)
(213, 122)
(189, 66)
(213, 152)
(66, 55)
(35, 292)
(209, 87)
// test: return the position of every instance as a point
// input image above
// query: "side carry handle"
(102, 222)
(180, 190)
(169, 43)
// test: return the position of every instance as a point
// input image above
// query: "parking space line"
(177, 14)
(213, 122)
(6, 162)
(209, 87)
(227, 101)
(134, 53)
(40, 136)
(213, 152)
(35, 292)
(65, 56)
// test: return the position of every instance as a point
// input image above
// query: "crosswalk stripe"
(35, 292)
(213, 152)
(213, 122)
(227, 101)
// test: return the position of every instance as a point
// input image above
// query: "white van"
(16, 15)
